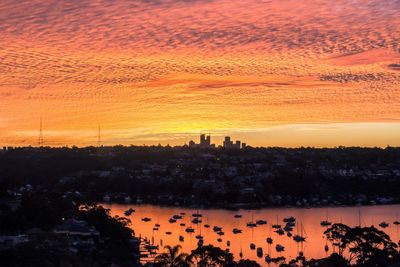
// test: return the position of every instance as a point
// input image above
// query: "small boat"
(288, 228)
(261, 222)
(290, 219)
(251, 224)
(280, 231)
(268, 259)
(259, 252)
(279, 248)
(181, 238)
(236, 231)
(177, 217)
(383, 224)
(199, 237)
(200, 243)
(252, 246)
(182, 213)
(325, 223)
(270, 240)
(146, 219)
(172, 220)
(196, 221)
(396, 222)
(299, 238)
(197, 215)
(276, 226)
(228, 243)
(182, 224)
(291, 224)
(217, 228)
(168, 233)
(155, 229)
(220, 233)
(289, 234)
(157, 225)
(238, 216)
(206, 226)
(129, 212)
(189, 230)
(219, 240)
(326, 248)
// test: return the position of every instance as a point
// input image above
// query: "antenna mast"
(40, 140)
(99, 137)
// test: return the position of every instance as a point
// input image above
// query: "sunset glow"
(149, 72)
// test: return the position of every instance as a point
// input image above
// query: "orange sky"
(273, 73)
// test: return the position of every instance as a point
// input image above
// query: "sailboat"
(299, 237)
(326, 222)
(252, 224)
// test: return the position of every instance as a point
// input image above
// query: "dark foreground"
(51, 230)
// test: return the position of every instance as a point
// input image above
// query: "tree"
(211, 256)
(365, 245)
(172, 257)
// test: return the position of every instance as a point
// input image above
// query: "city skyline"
(273, 73)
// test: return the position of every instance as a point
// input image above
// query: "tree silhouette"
(211, 256)
(172, 257)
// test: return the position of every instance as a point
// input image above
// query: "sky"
(268, 72)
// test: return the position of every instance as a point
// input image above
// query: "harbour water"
(308, 224)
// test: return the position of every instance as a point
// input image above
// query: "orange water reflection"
(309, 218)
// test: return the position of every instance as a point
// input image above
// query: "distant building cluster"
(205, 142)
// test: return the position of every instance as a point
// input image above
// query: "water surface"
(308, 223)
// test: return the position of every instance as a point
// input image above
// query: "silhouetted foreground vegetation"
(49, 230)
(220, 177)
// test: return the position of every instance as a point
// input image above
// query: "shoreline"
(244, 207)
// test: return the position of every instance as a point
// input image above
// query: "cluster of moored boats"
(285, 227)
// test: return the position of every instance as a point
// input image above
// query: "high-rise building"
(205, 141)
(237, 144)
(227, 142)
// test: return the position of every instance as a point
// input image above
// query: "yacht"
(146, 219)
(270, 240)
(259, 252)
(383, 224)
(280, 231)
(290, 219)
(325, 223)
(217, 228)
(252, 246)
(251, 224)
(279, 248)
(261, 222)
(236, 231)
(129, 212)
(189, 230)
(196, 220)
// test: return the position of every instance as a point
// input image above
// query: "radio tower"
(98, 137)
(40, 140)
